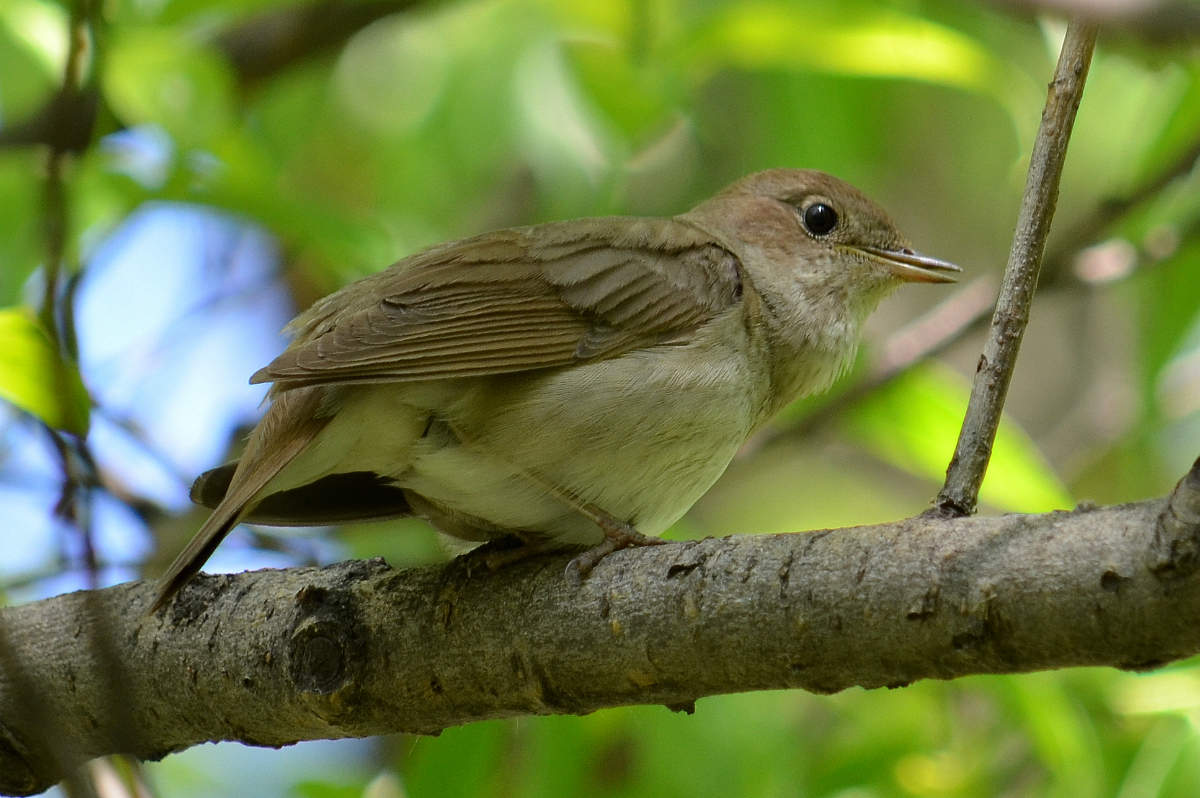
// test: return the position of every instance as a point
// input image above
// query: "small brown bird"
(571, 383)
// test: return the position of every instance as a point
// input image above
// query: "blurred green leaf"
(1180, 131)
(162, 76)
(856, 39)
(20, 246)
(913, 423)
(32, 48)
(34, 378)
(197, 12)
(464, 760)
(1168, 306)
(1062, 733)
(326, 789)
(637, 97)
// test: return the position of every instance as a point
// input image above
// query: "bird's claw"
(617, 535)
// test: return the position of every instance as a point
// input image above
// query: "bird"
(575, 383)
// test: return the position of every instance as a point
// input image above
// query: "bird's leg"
(617, 535)
(508, 549)
(515, 547)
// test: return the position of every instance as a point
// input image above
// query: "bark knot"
(318, 657)
(327, 644)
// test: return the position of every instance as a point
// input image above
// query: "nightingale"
(575, 383)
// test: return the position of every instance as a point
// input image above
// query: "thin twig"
(965, 473)
(55, 219)
(57, 309)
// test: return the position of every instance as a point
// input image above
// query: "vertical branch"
(965, 473)
(72, 135)
(57, 306)
(55, 217)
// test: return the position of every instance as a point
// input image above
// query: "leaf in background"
(564, 137)
(872, 42)
(159, 76)
(1168, 306)
(32, 50)
(20, 188)
(913, 424)
(1148, 117)
(34, 378)
(1181, 127)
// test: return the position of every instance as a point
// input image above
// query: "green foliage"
(35, 378)
(19, 251)
(157, 76)
(28, 31)
(913, 424)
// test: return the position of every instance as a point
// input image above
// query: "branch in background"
(57, 308)
(257, 49)
(1157, 21)
(64, 123)
(965, 473)
(74, 105)
(70, 106)
(274, 40)
(357, 649)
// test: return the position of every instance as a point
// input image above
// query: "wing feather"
(513, 300)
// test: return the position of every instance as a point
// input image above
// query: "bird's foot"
(617, 535)
(502, 551)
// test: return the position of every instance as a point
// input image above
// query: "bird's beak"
(911, 266)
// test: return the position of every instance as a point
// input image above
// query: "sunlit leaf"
(913, 424)
(32, 49)
(563, 131)
(878, 42)
(35, 378)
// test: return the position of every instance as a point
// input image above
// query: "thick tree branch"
(272, 657)
(965, 473)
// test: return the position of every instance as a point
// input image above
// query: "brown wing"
(513, 300)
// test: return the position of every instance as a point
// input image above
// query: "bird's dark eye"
(820, 219)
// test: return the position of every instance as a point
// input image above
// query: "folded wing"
(514, 300)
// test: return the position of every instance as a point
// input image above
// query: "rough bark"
(273, 657)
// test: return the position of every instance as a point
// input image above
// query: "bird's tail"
(291, 423)
(196, 553)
